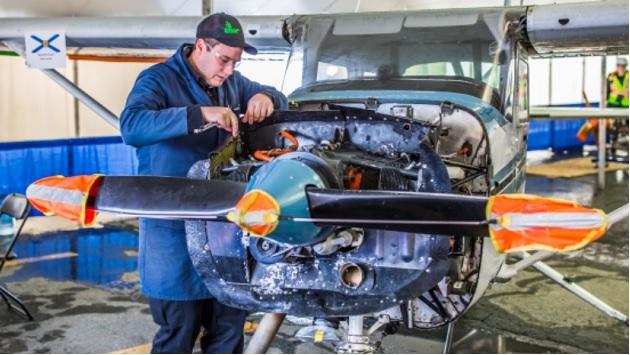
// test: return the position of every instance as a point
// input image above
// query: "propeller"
(286, 201)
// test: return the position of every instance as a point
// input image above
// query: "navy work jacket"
(162, 111)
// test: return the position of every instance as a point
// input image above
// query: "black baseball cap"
(225, 29)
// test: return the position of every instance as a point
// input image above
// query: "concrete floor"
(89, 302)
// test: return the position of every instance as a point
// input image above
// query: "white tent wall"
(109, 83)
(32, 106)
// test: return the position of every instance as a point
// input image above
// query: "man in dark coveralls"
(177, 112)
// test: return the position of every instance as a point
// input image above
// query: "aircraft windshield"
(410, 50)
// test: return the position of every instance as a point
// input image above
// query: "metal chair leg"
(21, 309)
(5, 299)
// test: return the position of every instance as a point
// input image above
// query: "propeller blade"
(528, 222)
(168, 197)
(79, 198)
(514, 222)
(418, 212)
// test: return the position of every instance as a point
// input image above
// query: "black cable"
(430, 305)
(443, 312)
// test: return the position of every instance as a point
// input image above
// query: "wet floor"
(86, 299)
(102, 256)
(535, 310)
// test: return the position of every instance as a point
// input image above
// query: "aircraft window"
(264, 67)
(326, 71)
(339, 59)
(468, 53)
(509, 93)
(490, 72)
(293, 75)
(440, 68)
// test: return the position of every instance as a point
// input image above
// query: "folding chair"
(16, 206)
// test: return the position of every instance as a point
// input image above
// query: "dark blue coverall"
(161, 112)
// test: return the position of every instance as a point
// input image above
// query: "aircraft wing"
(560, 29)
(588, 28)
(135, 36)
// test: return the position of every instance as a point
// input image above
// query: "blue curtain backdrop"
(557, 135)
(21, 163)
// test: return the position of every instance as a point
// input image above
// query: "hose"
(266, 155)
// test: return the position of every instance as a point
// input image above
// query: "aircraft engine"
(322, 270)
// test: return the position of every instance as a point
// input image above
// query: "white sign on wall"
(45, 50)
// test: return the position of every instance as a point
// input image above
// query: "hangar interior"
(81, 284)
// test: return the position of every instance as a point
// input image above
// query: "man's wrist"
(194, 118)
(270, 96)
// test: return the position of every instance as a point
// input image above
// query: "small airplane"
(391, 189)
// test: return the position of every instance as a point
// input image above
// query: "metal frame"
(578, 291)
(8, 297)
(601, 137)
(562, 113)
(535, 260)
(82, 96)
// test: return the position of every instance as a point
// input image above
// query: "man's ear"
(199, 44)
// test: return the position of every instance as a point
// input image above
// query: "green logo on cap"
(229, 29)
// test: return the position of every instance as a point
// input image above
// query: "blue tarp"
(21, 163)
(556, 134)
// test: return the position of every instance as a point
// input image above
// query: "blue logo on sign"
(45, 43)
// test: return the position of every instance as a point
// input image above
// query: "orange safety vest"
(68, 197)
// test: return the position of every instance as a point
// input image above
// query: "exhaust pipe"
(351, 275)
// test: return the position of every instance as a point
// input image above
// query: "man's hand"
(223, 117)
(259, 107)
